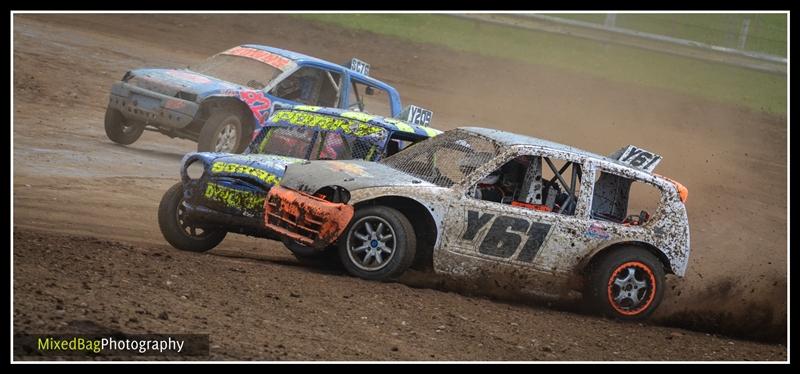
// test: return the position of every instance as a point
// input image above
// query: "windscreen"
(316, 136)
(243, 71)
(446, 159)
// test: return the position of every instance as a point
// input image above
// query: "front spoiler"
(202, 215)
(307, 219)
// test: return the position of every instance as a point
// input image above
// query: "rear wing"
(637, 158)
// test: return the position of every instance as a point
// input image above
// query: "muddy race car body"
(497, 207)
(223, 102)
(224, 192)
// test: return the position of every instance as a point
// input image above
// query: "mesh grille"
(337, 146)
(446, 159)
(283, 141)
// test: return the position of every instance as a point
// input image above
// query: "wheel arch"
(597, 255)
(213, 103)
(425, 229)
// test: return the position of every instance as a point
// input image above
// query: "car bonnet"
(185, 80)
(310, 176)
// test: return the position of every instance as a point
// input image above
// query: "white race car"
(481, 203)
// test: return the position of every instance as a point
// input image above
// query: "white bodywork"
(538, 251)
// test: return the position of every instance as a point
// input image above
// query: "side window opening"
(397, 145)
(365, 98)
(533, 182)
(624, 200)
(331, 88)
(643, 202)
(310, 86)
(392, 147)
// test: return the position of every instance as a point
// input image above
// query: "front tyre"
(121, 130)
(179, 233)
(222, 132)
(379, 244)
(627, 284)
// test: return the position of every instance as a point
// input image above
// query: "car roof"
(392, 124)
(300, 58)
(512, 139)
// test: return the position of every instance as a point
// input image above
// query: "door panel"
(497, 232)
(492, 236)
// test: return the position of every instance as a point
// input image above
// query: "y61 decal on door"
(504, 236)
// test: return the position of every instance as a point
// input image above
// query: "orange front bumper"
(307, 219)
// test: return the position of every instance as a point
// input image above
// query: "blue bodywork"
(347, 74)
(231, 191)
(175, 101)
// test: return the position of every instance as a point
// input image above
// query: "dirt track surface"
(265, 307)
(80, 197)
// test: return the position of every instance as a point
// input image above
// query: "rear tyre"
(378, 244)
(179, 233)
(222, 132)
(121, 130)
(626, 284)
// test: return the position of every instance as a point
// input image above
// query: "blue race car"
(223, 102)
(224, 192)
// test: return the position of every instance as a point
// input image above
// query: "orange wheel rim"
(631, 288)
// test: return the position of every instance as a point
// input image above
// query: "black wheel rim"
(192, 231)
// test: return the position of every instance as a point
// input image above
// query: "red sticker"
(258, 102)
(174, 104)
(271, 59)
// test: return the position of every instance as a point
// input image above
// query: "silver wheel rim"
(630, 292)
(191, 231)
(128, 128)
(227, 138)
(371, 243)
